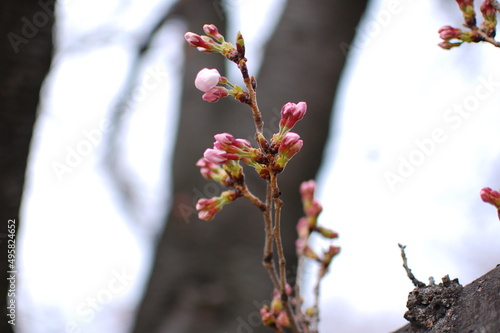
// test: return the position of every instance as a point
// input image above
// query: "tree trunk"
(207, 277)
(25, 56)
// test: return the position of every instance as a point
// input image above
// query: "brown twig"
(257, 116)
(412, 277)
(268, 261)
(278, 203)
(486, 38)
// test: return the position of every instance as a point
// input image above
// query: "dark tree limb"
(476, 310)
(25, 57)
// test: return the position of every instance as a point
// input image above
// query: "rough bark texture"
(25, 56)
(477, 310)
(207, 277)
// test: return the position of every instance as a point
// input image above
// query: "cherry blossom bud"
(490, 18)
(314, 209)
(303, 229)
(218, 156)
(307, 189)
(240, 147)
(467, 8)
(212, 31)
(213, 171)
(209, 207)
(448, 33)
(268, 318)
(300, 246)
(290, 146)
(490, 196)
(204, 44)
(214, 94)
(447, 45)
(283, 320)
(291, 113)
(206, 79)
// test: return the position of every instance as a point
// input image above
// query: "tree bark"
(25, 57)
(476, 310)
(207, 277)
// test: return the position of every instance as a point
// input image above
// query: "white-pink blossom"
(207, 79)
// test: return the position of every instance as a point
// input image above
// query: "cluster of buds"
(207, 81)
(309, 224)
(492, 197)
(214, 42)
(453, 37)
(275, 315)
(222, 162)
(209, 207)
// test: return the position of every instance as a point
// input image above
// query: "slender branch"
(268, 261)
(257, 116)
(250, 196)
(412, 277)
(315, 318)
(486, 37)
(278, 203)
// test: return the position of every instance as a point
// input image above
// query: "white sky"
(401, 89)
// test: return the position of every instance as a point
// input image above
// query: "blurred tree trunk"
(208, 277)
(25, 57)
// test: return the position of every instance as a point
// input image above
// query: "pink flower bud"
(207, 79)
(268, 319)
(303, 229)
(283, 320)
(314, 209)
(212, 31)
(214, 94)
(291, 113)
(488, 11)
(448, 32)
(307, 189)
(290, 146)
(218, 156)
(490, 196)
(208, 208)
(467, 8)
(213, 171)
